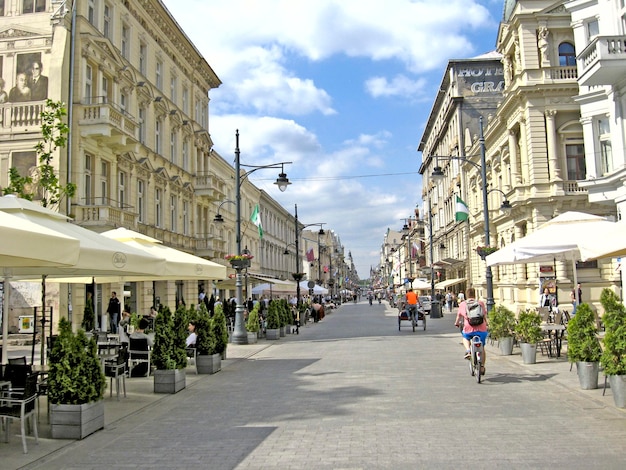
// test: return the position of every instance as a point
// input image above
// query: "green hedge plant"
(527, 329)
(273, 315)
(75, 376)
(252, 325)
(205, 341)
(162, 357)
(501, 322)
(582, 336)
(613, 357)
(220, 330)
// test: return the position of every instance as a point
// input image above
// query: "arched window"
(567, 55)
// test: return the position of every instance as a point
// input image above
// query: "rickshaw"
(413, 316)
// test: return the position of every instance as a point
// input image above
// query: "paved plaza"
(350, 392)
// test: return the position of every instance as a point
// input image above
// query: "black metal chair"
(116, 369)
(21, 406)
(17, 374)
(18, 360)
(139, 355)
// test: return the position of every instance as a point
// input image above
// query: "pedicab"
(412, 315)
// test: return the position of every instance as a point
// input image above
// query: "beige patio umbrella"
(27, 244)
(179, 265)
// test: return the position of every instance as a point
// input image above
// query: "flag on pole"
(414, 250)
(462, 212)
(310, 255)
(255, 218)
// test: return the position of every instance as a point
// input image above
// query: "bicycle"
(476, 359)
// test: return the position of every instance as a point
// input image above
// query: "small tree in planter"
(207, 360)
(253, 324)
(75, 385)
(613, 357)
(89, 316)
(284, 315)
(528, 333)
(273, 320)
(220, 330)
(169, 347)
(583, 346)
(502, 328)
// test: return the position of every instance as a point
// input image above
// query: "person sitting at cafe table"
(192, 337)
(140, 332)
(124, 324)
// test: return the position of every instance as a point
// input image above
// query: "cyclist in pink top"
(468, 330)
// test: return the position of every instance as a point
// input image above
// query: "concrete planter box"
(281, 331)
(252, 337)
(76, 421)
(288, 329)
(272, 334)
(618, 388)
(208, 364)
(169, 381)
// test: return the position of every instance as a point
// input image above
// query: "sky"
(341, 88)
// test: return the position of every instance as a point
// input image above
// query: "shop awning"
(449, 282)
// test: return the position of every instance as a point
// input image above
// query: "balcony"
(603, 61)
(210, 247)
(210, 186)
(106, 121)
(107, 214)
(21, 117)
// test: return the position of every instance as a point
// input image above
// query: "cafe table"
(557, 331)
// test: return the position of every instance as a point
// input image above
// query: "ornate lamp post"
(438, 174)
(240, 335)
(297, 233)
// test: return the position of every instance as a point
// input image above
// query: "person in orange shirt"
(411, 300)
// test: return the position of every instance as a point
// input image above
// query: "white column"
(513, 156)
(555, 169)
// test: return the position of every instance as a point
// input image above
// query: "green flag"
(462, 212)
(255, 218)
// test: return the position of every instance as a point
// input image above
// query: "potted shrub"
(528, 333)
(583, 346)
(502, 328)
(89, 316)
(284, 313)
(169, 352)
(220, 331)
(613, 357)
(272, 330)
(252, 325)
(75, 385)
(207, 360)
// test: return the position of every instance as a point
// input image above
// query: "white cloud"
(400, 85)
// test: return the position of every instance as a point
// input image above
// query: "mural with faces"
(29, 82)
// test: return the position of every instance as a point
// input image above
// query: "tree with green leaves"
(44, 181)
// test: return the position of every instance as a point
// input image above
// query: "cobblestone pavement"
(352, 392)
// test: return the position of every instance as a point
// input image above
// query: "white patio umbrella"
(179, 265)
(571, 236)
(317, 290)
(28, 244)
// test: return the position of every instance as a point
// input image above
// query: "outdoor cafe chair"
(138, 353)
(18, 360)
(116, 369)
(22, 407)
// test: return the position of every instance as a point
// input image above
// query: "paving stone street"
(352, 392)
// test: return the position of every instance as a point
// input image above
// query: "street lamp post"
(298, 230)
(435, 308)
(240, 335)
(438, 173)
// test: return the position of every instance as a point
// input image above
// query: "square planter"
(169, 381)
(252, 337)
(208, 364)
(272, 334)
(76, 421)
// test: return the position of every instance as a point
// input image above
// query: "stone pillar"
(516, 177)
(555, 168)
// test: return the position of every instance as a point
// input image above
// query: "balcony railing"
(101, 112)
(602, 62)
(21, 117)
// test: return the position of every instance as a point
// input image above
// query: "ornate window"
(567, 55)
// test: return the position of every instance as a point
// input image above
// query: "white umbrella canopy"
(317, 290)
(569, 236)
(97, 255)
(179, 265)
(611, 243)
(27, 244)
(269, 288)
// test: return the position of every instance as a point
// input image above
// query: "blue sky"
(342, 88)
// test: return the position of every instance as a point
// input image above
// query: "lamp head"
(437, 173)
(506, 206)
(218, 218)
(282, 182)
(321, 232)
(286, 252)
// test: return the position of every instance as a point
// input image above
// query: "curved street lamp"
(240, 335)
(438, 174)
(297, 233)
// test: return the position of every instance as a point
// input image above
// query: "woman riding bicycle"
(470, 331)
